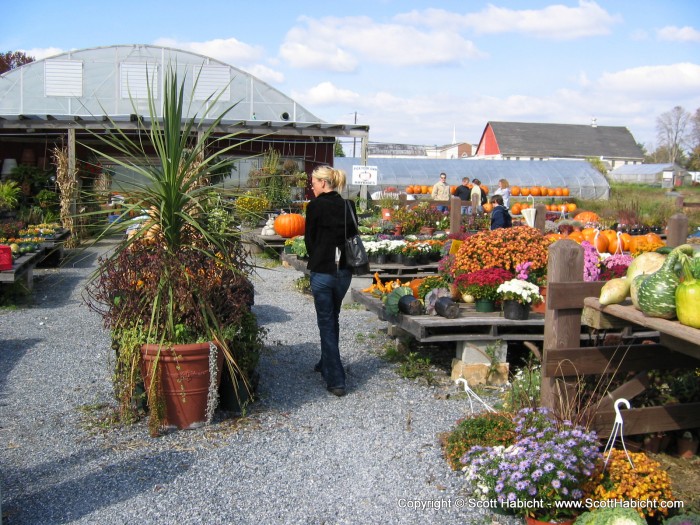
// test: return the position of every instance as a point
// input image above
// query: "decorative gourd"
(392, 300)
(269, 229)
(688, 297)
(615, 291)
(414, 285)
(289, 225)
(657, 294)
(645, 263)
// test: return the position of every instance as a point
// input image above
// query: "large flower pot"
(183, 371)
(516, 311)
(485, 305)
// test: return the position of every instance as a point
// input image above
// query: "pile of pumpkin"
(567, 207)
(660, 285)
(418, 189)
(607, 240)
(538, 191)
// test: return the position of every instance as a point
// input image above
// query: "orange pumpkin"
(425, 189)
(558, 192)
(575, 236)
(485, 189)
(626, 239)
(571, 207)
(535, 191)
(289, 225)
(610, 234)
(515, 191)
(487, 207)
(409, 190)
(525, 191)
(600, 242)
(453, 189)
(587, 216)
(553, 237)
(589, 234)
(653, 238)
(565, 192)
(414, 284)
(551, 192)
(516, 208)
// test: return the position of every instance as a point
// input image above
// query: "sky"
(422, 73)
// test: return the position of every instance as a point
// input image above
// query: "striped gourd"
(656, 295)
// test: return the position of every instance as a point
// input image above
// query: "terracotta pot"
(186, 390)
(686, 448)
(542, 307)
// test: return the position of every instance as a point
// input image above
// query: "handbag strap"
(347, 204)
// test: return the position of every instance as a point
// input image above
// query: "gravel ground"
(301, 456)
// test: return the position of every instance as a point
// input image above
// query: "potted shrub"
(481, 287)
(181, 278)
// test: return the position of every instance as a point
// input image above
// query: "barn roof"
(525, 139)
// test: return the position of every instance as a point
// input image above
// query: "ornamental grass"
(502, 248)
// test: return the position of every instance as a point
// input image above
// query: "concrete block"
(478, 373)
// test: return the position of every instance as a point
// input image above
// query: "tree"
(338, 149)
(13, 59)
(673, 132)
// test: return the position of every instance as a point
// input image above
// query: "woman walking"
(328, 223)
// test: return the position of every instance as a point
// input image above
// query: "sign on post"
(365, 175)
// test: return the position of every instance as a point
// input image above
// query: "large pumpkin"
(289, 225)
(587, 216)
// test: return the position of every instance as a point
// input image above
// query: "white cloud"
(666, 81)
(341, 44)
(557, 21)
(326, 93)
(265, 73)
(679, 34)
(39, 53)
(229, 50)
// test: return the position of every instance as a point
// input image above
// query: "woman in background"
(328, 224)
(504, 191)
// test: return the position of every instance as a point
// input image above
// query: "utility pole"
(354, 139)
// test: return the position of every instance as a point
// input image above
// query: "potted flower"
(481, 287)
(182, 277)
(517, 296)
(547, 465)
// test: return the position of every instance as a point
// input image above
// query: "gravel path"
(302, 456)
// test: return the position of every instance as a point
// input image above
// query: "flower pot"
(386, 214)
(541, 307)
(381, 258)
(485, 305)
(686, 448)
(183, 372)
(515, 310)
(426, 230)
(535, 521)
(409, 260)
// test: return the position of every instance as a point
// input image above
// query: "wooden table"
(22, 269)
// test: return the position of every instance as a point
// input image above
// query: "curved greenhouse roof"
(81, 88)
(582, 179)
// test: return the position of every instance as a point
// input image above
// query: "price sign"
(365, 175)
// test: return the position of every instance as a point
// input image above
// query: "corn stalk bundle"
(66, 180)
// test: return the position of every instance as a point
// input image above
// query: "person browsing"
(500, 218)
(464, 193)
(441, 191)
(328, 224)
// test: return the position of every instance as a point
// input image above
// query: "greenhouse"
(62, 100)
(582, 179)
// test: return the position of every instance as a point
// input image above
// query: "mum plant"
(547, 464)
(482, 284)
(501, 248)
(523, 292)
(183, 276)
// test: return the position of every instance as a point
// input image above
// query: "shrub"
(488, 429)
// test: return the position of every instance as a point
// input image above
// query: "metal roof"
(644, 169)
(582, 179)
(527, 139)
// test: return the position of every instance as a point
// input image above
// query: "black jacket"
(327, 226)
(463, 192)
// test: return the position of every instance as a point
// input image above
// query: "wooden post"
(540, 216)
(455, 214)
(562, 328)
(677, 227)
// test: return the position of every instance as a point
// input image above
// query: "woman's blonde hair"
(504, 182)
(336, 178)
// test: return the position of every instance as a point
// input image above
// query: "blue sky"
(415, 72)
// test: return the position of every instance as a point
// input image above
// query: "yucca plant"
(178, 278)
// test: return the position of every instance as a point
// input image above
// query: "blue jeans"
(328, 291)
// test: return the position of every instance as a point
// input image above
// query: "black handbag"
(355, 255)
